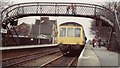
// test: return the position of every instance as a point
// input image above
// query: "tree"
(3, 5)
(104, 31)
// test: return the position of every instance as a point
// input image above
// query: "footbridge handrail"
(53, 9)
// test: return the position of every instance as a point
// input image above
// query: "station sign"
(3, 30)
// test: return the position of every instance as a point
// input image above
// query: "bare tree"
(4, 4)
(104, 31)
(113, 6)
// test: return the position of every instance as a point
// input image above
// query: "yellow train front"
(71, 38)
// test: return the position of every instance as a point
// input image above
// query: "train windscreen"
(70, 32)
(62, 32)
(77, 32)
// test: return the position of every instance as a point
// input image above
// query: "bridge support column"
(113, 43)
(110, 36)
(116, 29)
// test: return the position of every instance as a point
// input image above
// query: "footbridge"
(13, 12)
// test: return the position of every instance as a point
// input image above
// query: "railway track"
(60, 61)
(27, 57)
(19, 52)
(45, 58)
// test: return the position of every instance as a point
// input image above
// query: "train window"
(70, 32)
(77, 32)
(62, 32)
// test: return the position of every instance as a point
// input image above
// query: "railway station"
(46, 42)
(89, 58)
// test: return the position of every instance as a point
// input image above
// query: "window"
(70, 32)
(62, 32)
(77, 32)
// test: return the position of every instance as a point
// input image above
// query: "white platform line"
(27, 46)
(81, 55)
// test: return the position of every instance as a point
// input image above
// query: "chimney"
(45, 19)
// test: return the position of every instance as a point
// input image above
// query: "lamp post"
(53, 34)
(39, 36)
(39, 33)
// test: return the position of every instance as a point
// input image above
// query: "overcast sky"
(77, 1)
(84, 21)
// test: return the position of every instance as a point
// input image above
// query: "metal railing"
(53, 9)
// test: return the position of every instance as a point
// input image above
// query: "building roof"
(70, 23)
(22, 29)
(45, 25)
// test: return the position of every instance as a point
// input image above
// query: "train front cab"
(71, 39)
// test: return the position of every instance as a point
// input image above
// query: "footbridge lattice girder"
(53, 9)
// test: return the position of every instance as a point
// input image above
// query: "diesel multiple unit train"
(71, 38)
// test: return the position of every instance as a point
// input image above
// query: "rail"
(27, 57)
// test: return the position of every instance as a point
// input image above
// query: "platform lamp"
(13, 22)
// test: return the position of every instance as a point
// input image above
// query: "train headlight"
(60, 45)
(84, 42)
(77, 46)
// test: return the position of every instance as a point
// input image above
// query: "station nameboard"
(3, 30)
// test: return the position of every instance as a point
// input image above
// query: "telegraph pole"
(117, 26)
(39, 32)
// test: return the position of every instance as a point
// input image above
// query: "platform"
(27, 46)
(98, 58)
